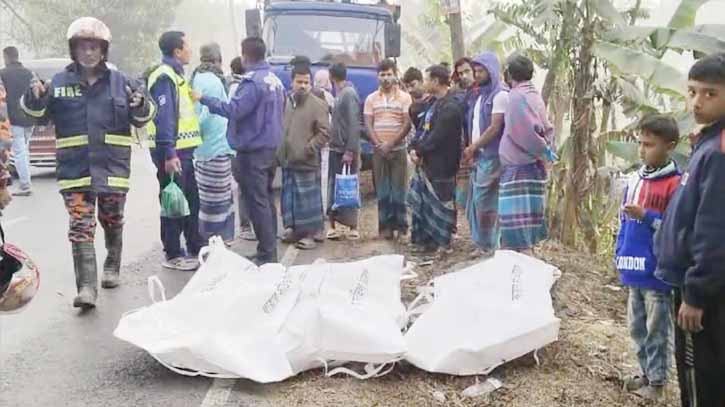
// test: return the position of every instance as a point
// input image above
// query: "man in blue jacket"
(691, 244)
(255, 114)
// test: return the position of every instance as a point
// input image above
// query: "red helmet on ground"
(19, 279)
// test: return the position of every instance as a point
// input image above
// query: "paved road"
(51, 355)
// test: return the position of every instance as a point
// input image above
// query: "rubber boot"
(112, 266)
(84, 262)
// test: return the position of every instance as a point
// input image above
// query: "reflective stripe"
(30, 112)
(188, 128)
(75, 183)
(119, 140)
(118, 182)
(75, 141)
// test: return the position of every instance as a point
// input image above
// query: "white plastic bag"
(484, 316)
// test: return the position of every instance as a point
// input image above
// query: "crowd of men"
(477, 139)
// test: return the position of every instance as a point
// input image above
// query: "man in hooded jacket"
(486, 124)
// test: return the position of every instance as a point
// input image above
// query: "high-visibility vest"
(188, 131)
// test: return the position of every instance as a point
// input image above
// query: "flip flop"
(306, 244)
(181, 264)
(288, 236)
(333, 234)
(320, 237)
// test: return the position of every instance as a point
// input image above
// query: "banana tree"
(633, 55)
(426, 31)
(597, 57)
(562, 34)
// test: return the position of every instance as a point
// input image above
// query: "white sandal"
(333, 234)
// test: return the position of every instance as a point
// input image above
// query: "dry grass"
(584, 368)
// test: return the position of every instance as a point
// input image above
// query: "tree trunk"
(458, 47)
(579, 175)
(549, 85)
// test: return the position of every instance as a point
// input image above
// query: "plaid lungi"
(433, 213)
(522, 205)
(301, 201)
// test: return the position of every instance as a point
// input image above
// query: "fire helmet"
(88, 28)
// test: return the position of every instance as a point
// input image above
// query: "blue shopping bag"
(347, 190)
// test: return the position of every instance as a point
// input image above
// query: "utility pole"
(235, 31)
(453, 9)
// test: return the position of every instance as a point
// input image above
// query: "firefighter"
(93, 108)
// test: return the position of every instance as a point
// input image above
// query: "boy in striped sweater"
(646, 197)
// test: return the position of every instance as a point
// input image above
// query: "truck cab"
(360, 35)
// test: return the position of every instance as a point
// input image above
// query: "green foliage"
(427, 35)
(634, 62)
(685, 14)
(135, 26)
(627, 71)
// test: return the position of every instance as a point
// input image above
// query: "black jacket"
(16, 79)
(690, 245)
(439, 146)
(93, 128)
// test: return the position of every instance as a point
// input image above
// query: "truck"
(360, 34)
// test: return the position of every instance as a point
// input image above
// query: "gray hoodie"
(345, 135)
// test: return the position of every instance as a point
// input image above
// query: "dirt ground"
(585, 367)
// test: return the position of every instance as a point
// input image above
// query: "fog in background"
(222, 21)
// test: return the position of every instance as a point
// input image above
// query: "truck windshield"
(353, 40)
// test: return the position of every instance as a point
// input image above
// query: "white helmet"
(17, 291)
(89, 28)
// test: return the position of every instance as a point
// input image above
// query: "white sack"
(484, 316)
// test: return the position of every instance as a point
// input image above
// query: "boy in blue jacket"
(646, 197)
(691, 244)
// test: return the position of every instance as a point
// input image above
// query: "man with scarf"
(437, 156)
(526, 145)
(486, 124)
(305, 132)
(213, 158)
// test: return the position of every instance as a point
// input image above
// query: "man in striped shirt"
(388, 123)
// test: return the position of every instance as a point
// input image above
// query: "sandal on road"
(320, 237)
(181, 264)
(306, 244)
(333, 234)
(353, 235)
(248, 234)
(288, 236)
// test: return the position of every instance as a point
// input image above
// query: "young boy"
(646, 197)
(691, 245)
